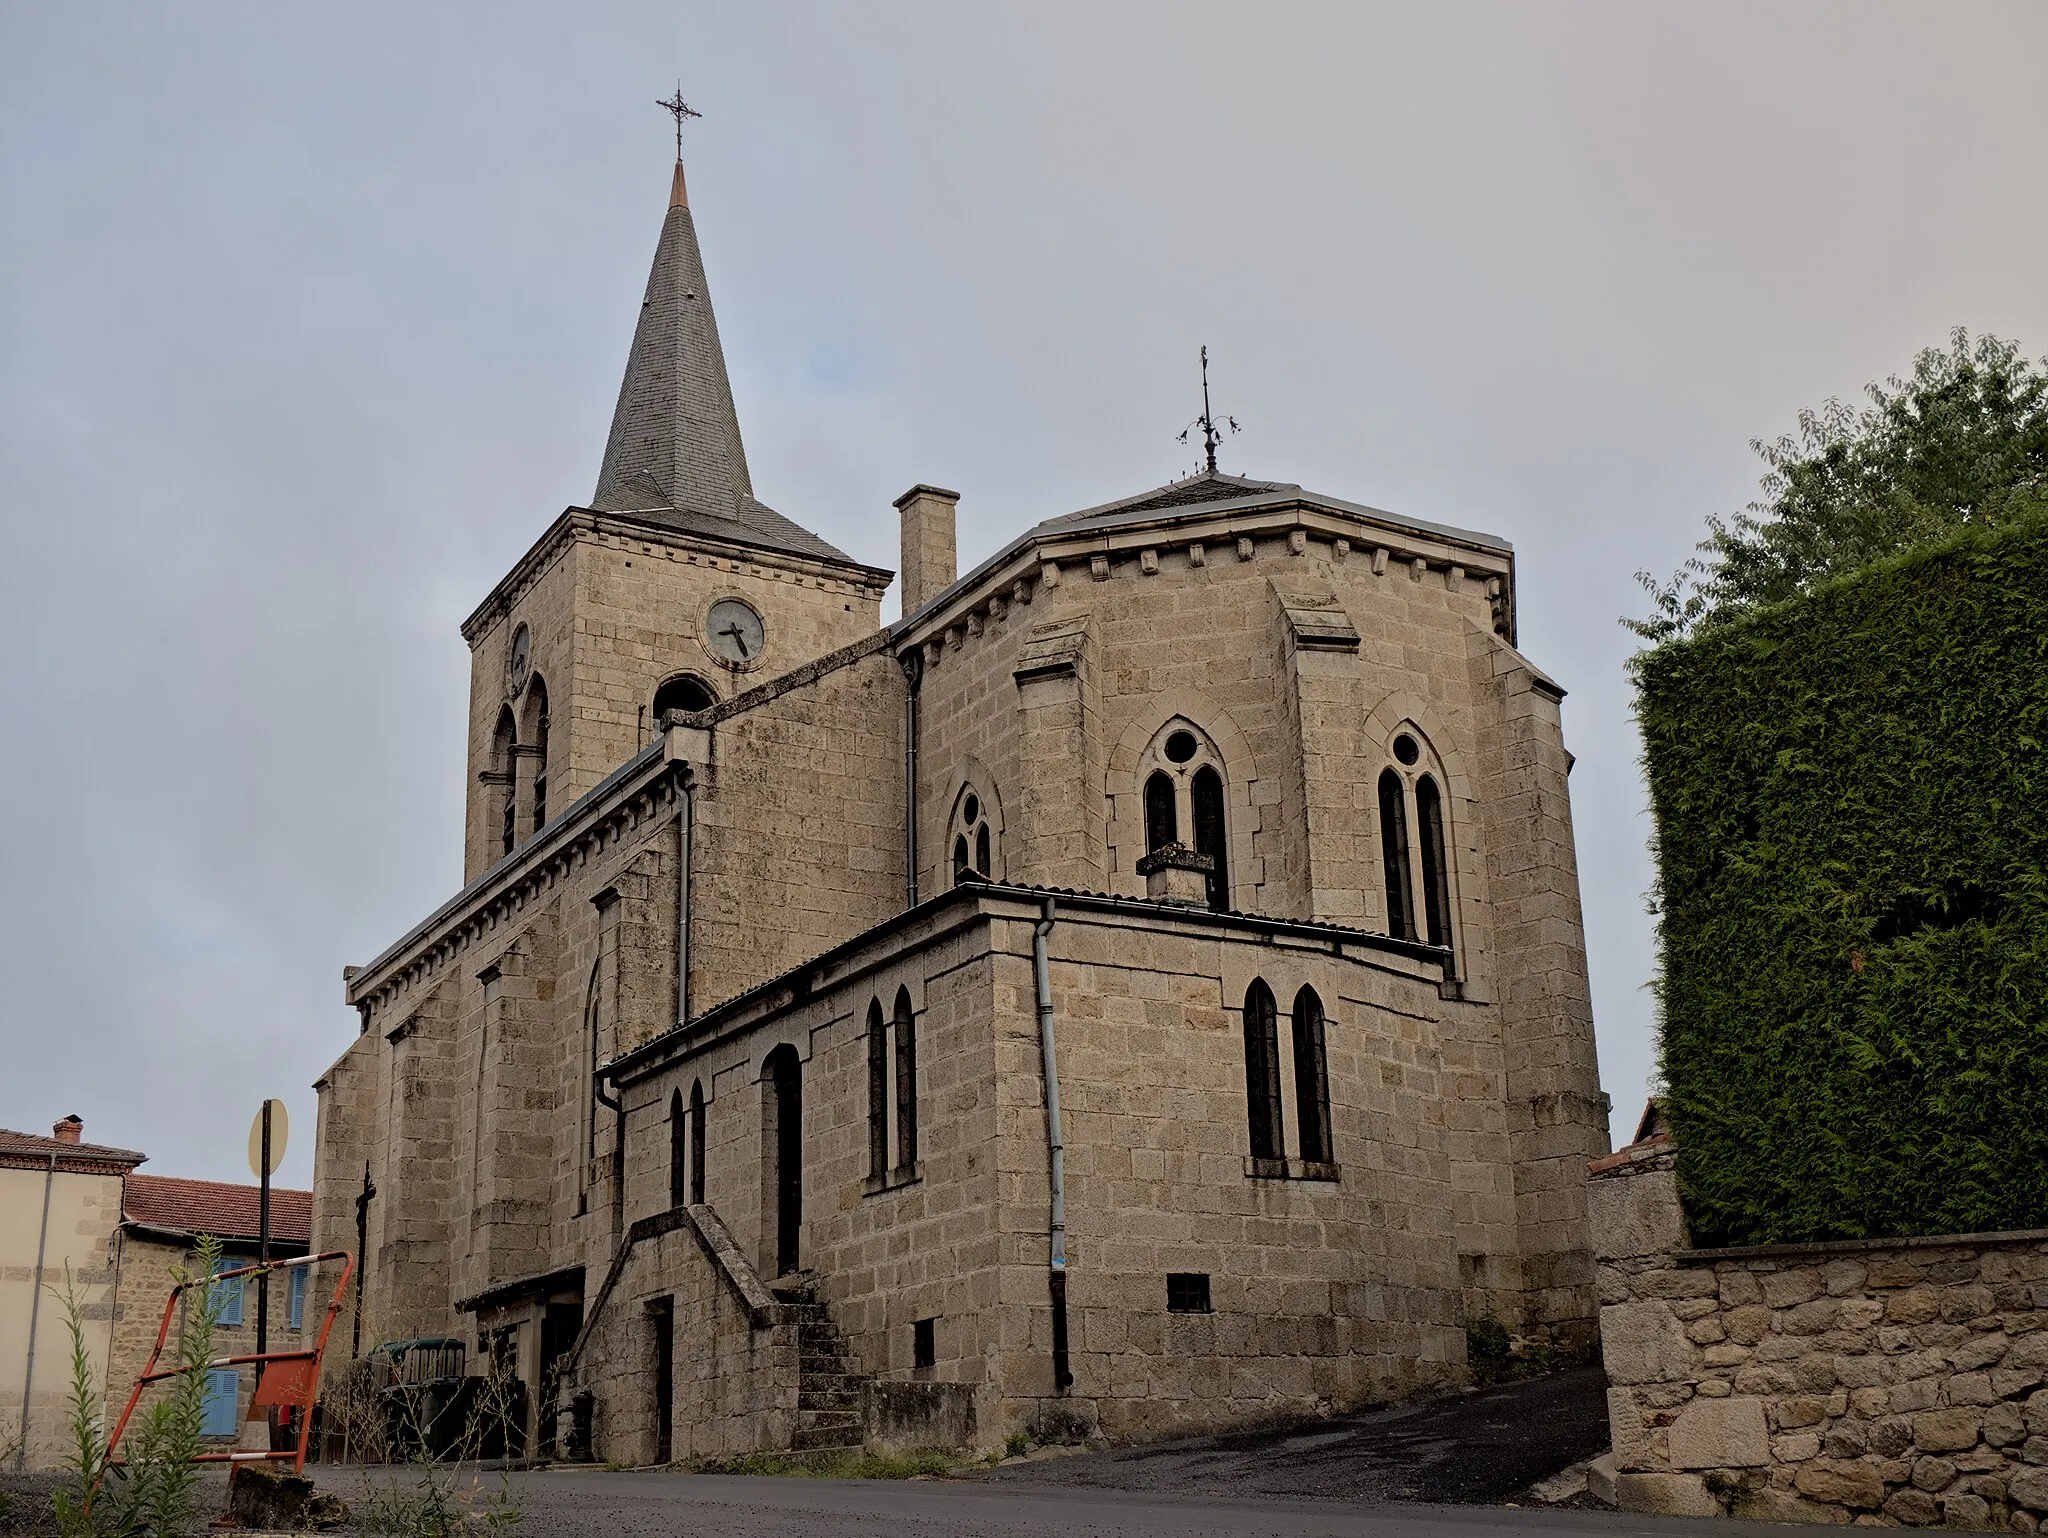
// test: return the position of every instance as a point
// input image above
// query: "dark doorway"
(560, 1324)
(661, 1320)
(785, 1139)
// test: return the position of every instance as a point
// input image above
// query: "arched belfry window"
(1415, 843)
(1184, 800)
(1262, 1071)
(535, 720)
(1311, 1079)
(686, 692)
(973, 837)
(906, 1083)
(502, 778)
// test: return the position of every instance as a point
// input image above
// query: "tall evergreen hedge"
(1851, 811)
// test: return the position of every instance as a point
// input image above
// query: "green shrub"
(1851, 831)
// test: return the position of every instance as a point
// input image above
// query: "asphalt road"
(587, 1504)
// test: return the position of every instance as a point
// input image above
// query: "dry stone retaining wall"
(1879, 1383)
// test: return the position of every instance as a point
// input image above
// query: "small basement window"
(924, 1343)
(1187, 1292)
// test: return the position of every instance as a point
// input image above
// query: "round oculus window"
(970, 812)
(1405, 749)
(1181, 747)
(520, 664)
(734, 631)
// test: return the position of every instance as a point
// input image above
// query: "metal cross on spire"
(1211, 434)
(678, 109)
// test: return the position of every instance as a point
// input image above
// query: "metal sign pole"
(263, 1249)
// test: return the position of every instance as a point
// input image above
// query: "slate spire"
(675, 440)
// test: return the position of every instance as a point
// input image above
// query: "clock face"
(734, 631)
(522, 658)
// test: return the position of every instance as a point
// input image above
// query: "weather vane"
(678, 109)
(1211, 434)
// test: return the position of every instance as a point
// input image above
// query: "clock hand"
(739, 639)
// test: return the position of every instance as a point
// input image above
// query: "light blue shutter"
(217, 1410)
(299, 1297)
(227, 1296)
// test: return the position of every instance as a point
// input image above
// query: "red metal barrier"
(292, 1384)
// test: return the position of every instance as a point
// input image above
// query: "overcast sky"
(311, 321)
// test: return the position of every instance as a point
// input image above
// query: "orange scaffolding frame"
(293, 1386)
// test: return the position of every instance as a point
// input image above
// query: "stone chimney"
(69, 1130)
(930, 559)
(1175, 874)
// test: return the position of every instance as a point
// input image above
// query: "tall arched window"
(878, 1092)
(1205, 798)
(1311, 1079)
(1436, 873)
(782, 1139)
(906, 1083)
(502, 777)
(678, 1151)
(697, 1142)
(1394, 855)
(1262, 1071)
(1162, 819)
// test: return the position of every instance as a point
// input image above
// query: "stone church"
(1140, 990)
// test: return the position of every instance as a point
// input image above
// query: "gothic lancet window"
(1184, 800)
(1162, 822)
(973, 839)
(697, 1142)
(1311, 1079)
(1394, 855)
(538, 710)
(906, 1084)
(1205, 797)
(1262, 1071)
(678, 1151)
(878, 1092)
(1436, 875)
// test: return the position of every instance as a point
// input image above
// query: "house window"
(1262, 1071)
(1187, 1292)
(1184, 800)
(878, 1092)
(973, 838)
(697, 1142)
(1416, 864)
(924, 1343)
(1311, 1079)
(301, 1275)
(225, 1298)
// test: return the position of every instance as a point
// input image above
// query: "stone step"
(833, 1366)
(824, 1439)
(809, 1398)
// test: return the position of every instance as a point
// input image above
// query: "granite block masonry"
(1875, 1382)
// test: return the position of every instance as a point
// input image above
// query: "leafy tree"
(1961, 443)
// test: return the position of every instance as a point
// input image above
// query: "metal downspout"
(35, 1309)
(913, 671)
(1062, 1377)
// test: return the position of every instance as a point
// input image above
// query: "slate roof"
(30, 1150)
(215, 1207)
(752, 523)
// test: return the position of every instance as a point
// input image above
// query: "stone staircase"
(829, 1381)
